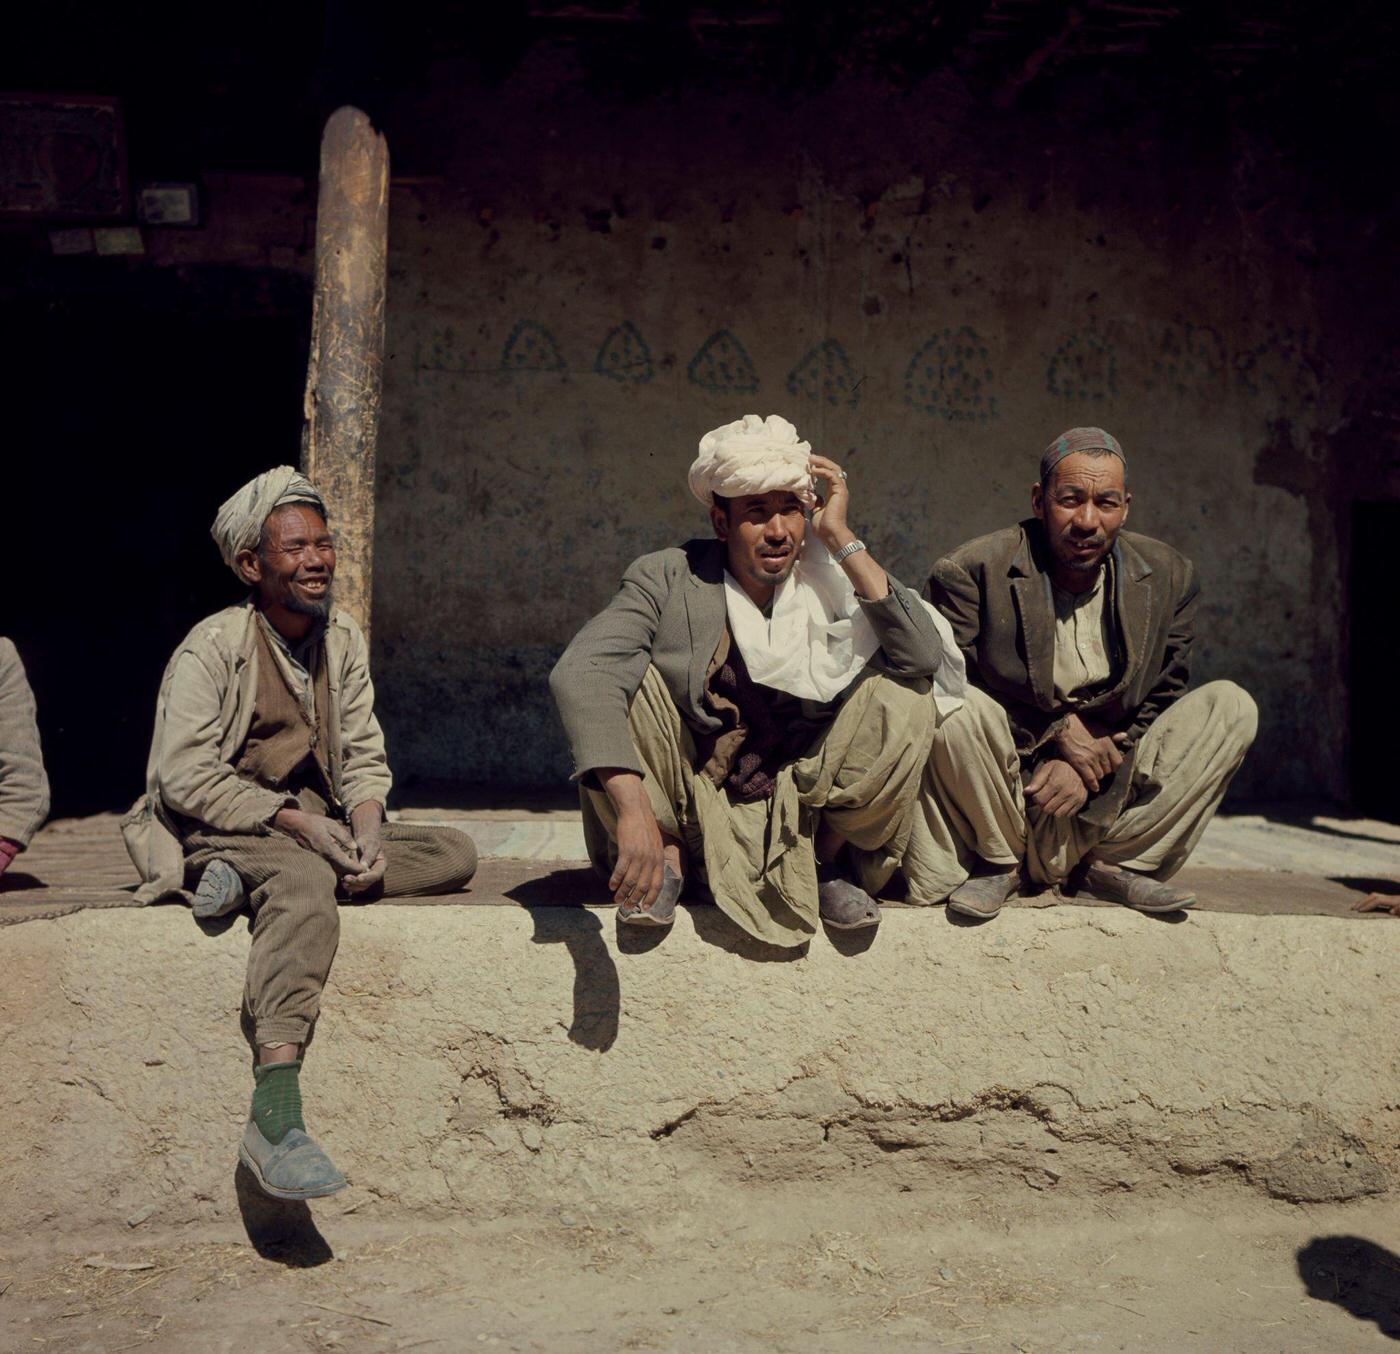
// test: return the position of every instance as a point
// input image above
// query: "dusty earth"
(1074, 1129)
(803, 1270)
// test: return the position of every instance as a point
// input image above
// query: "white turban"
(752, 455)
(240, 521)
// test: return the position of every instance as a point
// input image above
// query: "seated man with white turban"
(749, 706)
(1079, 758)
(24, 787)
(266, 783)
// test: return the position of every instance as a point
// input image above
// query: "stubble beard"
(1078, 564)
(318, 610)
(774, 581)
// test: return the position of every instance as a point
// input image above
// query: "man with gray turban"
(755, 710)
(266, 786)
(1079, 759)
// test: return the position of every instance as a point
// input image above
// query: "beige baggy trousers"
(972, 803)
(862, 774)
(296, 920)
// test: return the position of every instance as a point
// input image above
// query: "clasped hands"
(1061, 784)
(355, 853)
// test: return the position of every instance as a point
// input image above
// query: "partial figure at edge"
(24, 785)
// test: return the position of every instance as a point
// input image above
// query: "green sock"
(277, 1099)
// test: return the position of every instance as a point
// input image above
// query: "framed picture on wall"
(62, 157)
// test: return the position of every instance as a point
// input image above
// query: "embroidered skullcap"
(752, 455)
(240, 521)
(1078, 439)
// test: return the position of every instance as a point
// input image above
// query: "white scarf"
(817, 639)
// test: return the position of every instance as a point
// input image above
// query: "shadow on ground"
(597, 990)
(1357, 1275)
(1364, 884)
(279, 1230)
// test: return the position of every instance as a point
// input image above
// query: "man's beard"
(320, 609)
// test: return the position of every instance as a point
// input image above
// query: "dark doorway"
(135, 403)
(1375, 732)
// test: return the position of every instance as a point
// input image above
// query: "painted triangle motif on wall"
(825, 374)
(531, 347)
(625, 356)
(723, 366)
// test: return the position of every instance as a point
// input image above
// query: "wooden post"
(344, 374)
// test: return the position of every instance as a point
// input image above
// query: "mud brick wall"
(583, 285)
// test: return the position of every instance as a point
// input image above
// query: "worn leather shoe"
(845, 906)
(1138, 891)
(982, 895)
(219, 891)
(295, 1168)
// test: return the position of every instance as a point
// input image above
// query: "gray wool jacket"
(669, 614)
(24, 786)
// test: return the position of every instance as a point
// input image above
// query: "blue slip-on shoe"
(295, 1168)
(219, 891)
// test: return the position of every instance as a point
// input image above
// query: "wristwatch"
(849, 548)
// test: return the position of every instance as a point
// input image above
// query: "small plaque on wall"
(62, 157)
(168, 204)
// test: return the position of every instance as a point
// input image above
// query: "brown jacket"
(995, 591)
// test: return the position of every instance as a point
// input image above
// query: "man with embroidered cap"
(24, 787)
(266, 785)
(1079, 758)
(755, 710)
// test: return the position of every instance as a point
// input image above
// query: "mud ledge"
(503, 1060)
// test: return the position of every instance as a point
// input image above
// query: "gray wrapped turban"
(240, 521)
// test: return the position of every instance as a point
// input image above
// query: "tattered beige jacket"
(24, 788)
(203, 713)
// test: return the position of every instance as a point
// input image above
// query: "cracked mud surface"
(552, 1136)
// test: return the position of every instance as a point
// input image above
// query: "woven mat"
(76, 864)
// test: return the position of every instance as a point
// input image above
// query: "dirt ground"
(1083, 1135)
(796, 1271)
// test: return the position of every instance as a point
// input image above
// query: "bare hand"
(327, 838)
(367, 825)
(1056, 789)
(829, 518)
(641, 864)
(1378, 902)
(1094, 757)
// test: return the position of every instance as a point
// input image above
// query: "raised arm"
(908, 637)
